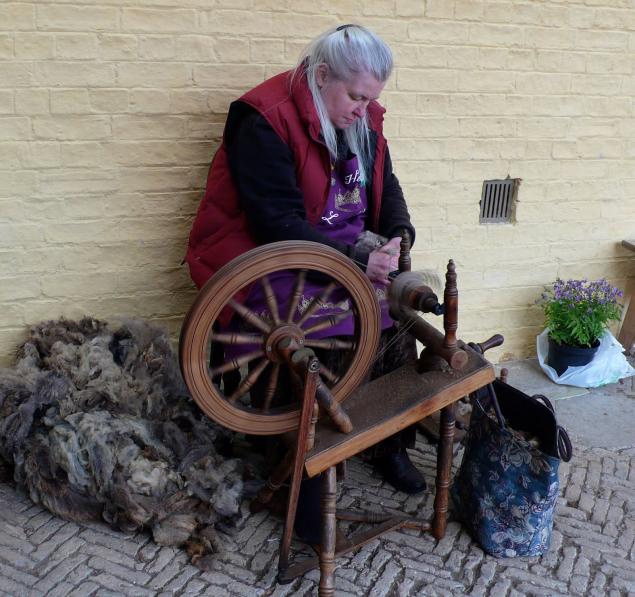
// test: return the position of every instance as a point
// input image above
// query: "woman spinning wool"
(303, 157)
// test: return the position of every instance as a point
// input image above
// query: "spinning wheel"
(263, 346)
(276, 336)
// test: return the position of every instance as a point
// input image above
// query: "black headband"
(345, 26)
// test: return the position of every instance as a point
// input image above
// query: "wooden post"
(451, 307)
(444, 470)
(308, 400)
(329, 534)
(405, 263)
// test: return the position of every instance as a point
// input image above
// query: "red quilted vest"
(220, 231)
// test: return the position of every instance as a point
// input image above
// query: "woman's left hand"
(384, 260)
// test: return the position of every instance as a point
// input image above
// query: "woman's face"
(346, 101)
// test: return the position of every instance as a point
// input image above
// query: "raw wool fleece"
(97, 423)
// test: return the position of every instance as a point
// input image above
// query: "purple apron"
(343, 220)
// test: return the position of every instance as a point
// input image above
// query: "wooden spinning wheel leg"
(329, 533)
(308, 401)
(444, 470)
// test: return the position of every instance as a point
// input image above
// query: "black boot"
(397, 469)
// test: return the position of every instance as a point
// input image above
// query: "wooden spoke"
(271, 299)
(296, 294)
(328, 322)
(272, 384)
(249, 316)
(236, 338)
(317, 301)
(330, 344)
(249, 381)
(328, 374)
(237, 363)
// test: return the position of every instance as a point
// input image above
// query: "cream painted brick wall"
(110, 114)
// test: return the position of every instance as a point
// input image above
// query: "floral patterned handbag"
(506, 488)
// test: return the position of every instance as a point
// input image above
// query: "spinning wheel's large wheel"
(228, 403)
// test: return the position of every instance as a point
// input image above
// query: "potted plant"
(577, 313)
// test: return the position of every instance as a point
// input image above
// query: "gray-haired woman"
(303, 157)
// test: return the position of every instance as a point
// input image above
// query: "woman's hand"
(384, 260)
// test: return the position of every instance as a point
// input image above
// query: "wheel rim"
(242, 272)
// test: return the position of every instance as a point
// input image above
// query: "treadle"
(355, 541)
(393, 402)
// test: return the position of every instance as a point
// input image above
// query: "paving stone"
(127, 574)
(344, 583)
(402, 551)
(54, 543)
(525, 589)
(38, 519)
(193, 587)
(244, 590)
(60, 572)
(84, 590)
(17, 575)
(500, 588)
(147, 553)
(17, 589)
(578, 584)
(179, 581)
(165, 575)
(47, 529)
(67, 551)
(118, 542)
(600, 507)
(218, 591)
(162, 558)
(112, 555)
(79, 574)
(264, 558)
(405, 587)
(61, 590)
(17, 559)
(120, 586)
(566, 564)
(487, 572)
(424, 567)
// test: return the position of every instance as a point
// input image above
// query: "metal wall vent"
(498, 200)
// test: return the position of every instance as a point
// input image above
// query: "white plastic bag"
(609, 365)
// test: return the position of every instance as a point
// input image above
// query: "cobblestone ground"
(592, 553)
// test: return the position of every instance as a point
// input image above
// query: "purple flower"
(578, 311)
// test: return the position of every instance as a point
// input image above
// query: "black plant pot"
(561, 356)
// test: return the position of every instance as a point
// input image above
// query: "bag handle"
(542, 398)
(565, 449)
(563, 443)
(494, 402)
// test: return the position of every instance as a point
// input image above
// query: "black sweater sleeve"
(263, 168)
(393, 215)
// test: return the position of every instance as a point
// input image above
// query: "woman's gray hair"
(347, 51)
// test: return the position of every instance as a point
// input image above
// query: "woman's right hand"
(384, 260)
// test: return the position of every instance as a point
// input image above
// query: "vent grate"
(498, 200)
